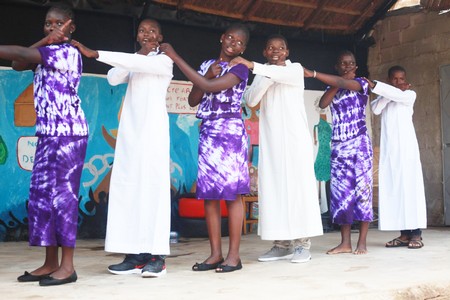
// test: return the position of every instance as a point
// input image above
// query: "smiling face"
(276, 52)
(56, 18)
(149, 35)
(234, 42)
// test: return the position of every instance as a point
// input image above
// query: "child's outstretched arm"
(207, 85)
(89, 53)
(344, 82)
(20, 54)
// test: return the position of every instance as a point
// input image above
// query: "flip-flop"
(228, 268)
(397, 243)
(206, 267)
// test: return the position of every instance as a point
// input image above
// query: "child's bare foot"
(360, 251)
(340, 249)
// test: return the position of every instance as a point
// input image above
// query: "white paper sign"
(26, 147)
(177, 97)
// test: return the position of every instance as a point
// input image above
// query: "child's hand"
(214, 70)
(370, 82)
(57, 35)
(350, 74)
(404, 86)
(89, 53)
(168, 50)
(241, 60)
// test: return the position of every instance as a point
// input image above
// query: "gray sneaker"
(277, 253)
(301, 255)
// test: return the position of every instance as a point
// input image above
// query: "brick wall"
(420, 42)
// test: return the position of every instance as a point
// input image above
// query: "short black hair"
(394, 69)
(344, 53)
(241, 27)
(63, 8)
(151, 20)
(278, 37)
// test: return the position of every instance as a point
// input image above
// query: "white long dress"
(287, 194)
(139, 194)
(401, 190)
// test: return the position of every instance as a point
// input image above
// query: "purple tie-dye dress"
(222, 162)
(62, 130)
(351, 158)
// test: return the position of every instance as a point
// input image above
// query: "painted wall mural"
(101, 103)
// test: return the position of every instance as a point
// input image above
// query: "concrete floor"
(383, 273)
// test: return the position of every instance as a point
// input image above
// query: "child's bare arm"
(89, 53)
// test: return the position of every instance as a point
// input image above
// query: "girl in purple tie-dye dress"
(351, 152)
(222, 167)
(63, 132)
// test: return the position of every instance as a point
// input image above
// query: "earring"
(221, 41)
(242, 53)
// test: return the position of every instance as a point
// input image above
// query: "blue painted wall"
(101, 103)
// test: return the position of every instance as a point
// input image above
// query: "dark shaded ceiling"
(322, 20)
(302, 19)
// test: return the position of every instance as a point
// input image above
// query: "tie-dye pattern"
(222, 151)
(226, 103)
(55, 181)
(351, 158)
(56, 80)
(351, 180)
(348, 110)
(222, 162)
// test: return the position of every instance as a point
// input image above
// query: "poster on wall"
(26, 147)
(177, 98)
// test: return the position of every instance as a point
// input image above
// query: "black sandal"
(228, 268)
(28, 277)
(415, 243)
(206, 267)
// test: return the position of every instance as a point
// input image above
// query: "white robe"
(288, 200)
(139, 194)
(401, 190)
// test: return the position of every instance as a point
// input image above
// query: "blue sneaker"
(132, 264)
(155, 267)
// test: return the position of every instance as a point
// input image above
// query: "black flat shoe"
(206, 267)
(28, 277)
(48, 281)
(228, 268)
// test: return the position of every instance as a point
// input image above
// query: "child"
(351, 152)
(223, 167)
(139, 196)
(63, 133)
(288, 203)
(401, 189)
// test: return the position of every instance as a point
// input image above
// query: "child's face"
(345, 64)
(233, 42)
(149, 35)
(276, 52)
(56, 19)
(398, 79)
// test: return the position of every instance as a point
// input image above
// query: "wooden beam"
(369, 9)
(318, 11)
(333, 9)
(249, 11)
